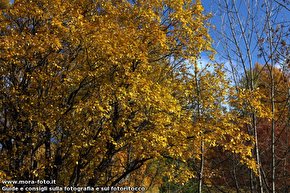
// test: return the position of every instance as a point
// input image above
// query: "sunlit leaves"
(97, 90)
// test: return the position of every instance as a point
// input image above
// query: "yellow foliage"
(99, 92)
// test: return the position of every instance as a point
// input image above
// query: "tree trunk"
(273, 129)
(201, 166)
(260, 182)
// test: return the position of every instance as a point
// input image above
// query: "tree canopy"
(105, 93)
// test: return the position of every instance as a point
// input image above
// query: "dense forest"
(116, 96)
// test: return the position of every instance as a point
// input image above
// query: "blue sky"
(259, 11)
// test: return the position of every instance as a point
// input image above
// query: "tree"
(279, 119)
(246, 43)
(94, 92)
(234, 173)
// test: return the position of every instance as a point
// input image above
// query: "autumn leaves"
(102, 92)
